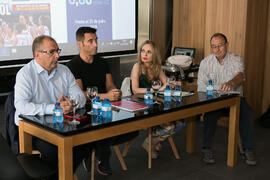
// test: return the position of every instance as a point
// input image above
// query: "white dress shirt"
(210, 68)
(36, 92)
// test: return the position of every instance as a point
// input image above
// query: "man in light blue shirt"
(39, 85)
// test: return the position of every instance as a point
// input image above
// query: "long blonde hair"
(155, 67)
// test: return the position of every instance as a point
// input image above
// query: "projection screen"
(23, 20)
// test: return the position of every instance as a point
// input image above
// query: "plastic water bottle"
(148, 97)
(97, 106)
(167, 105)
(58, 116)
(58, 126)
(167, 94)
(177, 94)
(145, 97)
(210, 88)
(96, 120)
(106, 109)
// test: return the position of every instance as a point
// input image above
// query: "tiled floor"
(190, 166)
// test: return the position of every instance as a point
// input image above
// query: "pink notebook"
(129, 105)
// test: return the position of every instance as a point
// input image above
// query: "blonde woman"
(147, 69)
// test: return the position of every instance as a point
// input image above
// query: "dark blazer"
(10, 130)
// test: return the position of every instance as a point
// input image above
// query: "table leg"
(65, 159)
(25, 140)
(190, 134)
(93, 164)
(150, 148)
(233, 134)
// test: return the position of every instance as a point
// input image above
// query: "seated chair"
(115, 141)
(31, 163)
(10, 130)
(126, 91)
(22, 166)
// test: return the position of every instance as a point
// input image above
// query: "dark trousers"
(245, 125)
(103, 149)
(49, 152)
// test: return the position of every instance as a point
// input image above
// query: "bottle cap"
(148, 89)
(106, 99)
(167, 87)
(177, 86)
(57, 104)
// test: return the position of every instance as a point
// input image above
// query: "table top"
(68, 128)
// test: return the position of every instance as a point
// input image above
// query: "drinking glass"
(74, 104)
(91, 93)
(156, 85)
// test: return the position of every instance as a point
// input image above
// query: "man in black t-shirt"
(91, 70)
(93, 74)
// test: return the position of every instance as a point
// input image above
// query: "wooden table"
(190, 107)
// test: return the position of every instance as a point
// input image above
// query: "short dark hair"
(219, 35)
(38, 43)
(82, 30)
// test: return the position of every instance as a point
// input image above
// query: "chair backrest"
(10, 130)
(22, 166)
(125, 87)
(10, 168)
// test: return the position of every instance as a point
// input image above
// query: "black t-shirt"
(93, 74)
(144, 82)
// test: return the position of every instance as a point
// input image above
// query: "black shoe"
(86, 164)
(249, 157)
(103, 168)
(208, 156)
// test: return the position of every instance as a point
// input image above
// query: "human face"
(89, 45)
(48, 60)
(219, 47)
(22, 19)
(146, 53)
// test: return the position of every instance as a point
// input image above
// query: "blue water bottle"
(167, 105)
(106, 109)
(148, 97)
(58, 116)
(210, 89)
(177, 94)
(167, 94)
(97, 106)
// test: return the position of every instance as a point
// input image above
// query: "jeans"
(49, 152)
(245, 125)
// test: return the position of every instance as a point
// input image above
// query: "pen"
(136, 100)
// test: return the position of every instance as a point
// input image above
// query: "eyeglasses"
(218, 46)
(51, 52)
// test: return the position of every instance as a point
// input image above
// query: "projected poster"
(22, 22)
(94, 13)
